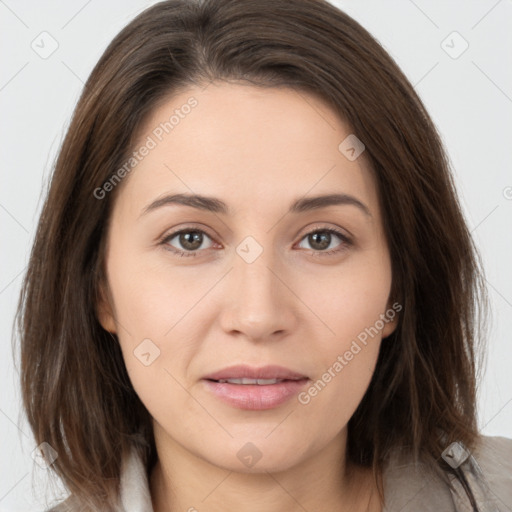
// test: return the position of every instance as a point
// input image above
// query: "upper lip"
(249, 372)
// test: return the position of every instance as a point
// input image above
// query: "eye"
(321, 240)
(190, 240)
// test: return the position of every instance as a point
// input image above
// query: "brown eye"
(189, 241)
(321, 241)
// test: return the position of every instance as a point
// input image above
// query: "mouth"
(244, 374)
(255, 389)
(259, 382)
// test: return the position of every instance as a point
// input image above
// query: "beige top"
(407, 486)
(487, 471)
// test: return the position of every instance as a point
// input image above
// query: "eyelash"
(346, 242)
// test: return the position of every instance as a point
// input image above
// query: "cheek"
(149, 298)
(158, 326)
(351, 307)
(350, 301)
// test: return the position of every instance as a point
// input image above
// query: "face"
(248, 279)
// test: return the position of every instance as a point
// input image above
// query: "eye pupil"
(191, 240)
(321, 238)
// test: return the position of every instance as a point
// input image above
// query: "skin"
(257, 150)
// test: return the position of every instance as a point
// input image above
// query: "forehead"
(239, 141)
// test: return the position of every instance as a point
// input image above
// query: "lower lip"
(254, 397)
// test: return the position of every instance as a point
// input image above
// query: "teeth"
(260, 382)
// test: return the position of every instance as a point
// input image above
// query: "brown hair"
(76, 391)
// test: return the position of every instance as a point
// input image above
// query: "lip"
(266, 372)
(255, 397)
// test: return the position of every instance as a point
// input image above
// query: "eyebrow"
(215, 205)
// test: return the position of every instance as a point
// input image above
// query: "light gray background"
(469, 99)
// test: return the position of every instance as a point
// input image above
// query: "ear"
(391, 315)
(104, 309)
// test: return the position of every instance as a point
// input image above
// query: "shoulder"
(134, 492)
(493, 459)
(410, 485)
(495, 453)
(486, 471)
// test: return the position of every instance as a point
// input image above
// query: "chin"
(256, 455)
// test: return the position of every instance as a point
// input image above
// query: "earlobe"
(104, 311)
(392, 316)
(390, 327)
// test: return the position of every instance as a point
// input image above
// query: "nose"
(259, 303)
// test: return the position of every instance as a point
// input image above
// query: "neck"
(182, 481)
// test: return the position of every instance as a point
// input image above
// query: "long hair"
(75, 387)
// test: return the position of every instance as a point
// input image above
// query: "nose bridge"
(258, 303)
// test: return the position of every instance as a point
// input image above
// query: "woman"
(252, 286)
